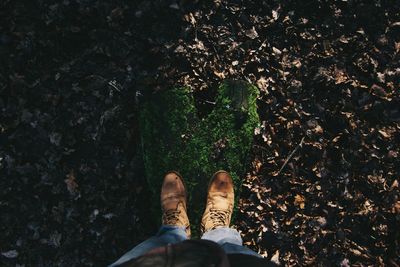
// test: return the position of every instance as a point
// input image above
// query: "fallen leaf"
(220, 75)
(251, 33)
(299, 201)
(394, 185)
(379, 91)
(275, 14)
(275, 258)
(276, 51)
(397, 46)
(11, 254)
(384, 134)
(396, 207)
(262, 84)
(72, 185)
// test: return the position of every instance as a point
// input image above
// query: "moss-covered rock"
(175, 138)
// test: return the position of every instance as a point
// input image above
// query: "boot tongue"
(221, 201)
(172, 201)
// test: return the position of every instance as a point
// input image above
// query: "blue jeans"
(229, 239)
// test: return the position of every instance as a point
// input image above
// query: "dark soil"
(323, 184)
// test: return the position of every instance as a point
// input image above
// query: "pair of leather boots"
(219, 207)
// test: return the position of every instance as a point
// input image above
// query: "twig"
(113, 84)
(216, 52)
(359, 250)
(291, 155)
(209, 102)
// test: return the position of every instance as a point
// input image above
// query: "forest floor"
(322, 187)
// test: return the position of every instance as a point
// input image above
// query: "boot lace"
(171, 217)
(219, 217)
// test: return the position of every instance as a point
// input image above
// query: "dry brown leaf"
(384, 134)
(276, 51)
(394, 185)
(275, 258)
(299, 201)
(220, 75)
(251, 33)
(340, 76)
(396, 207)
(262, 84)
(72, 185)
(397, 47)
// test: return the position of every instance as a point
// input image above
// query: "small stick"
(216, 53)
(291, 155)
(209, 102)
(113, 84)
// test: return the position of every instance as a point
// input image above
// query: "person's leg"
(175, 223)
(166, 235)
(218, 213)
(230, 240)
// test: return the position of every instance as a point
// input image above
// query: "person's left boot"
(173, 202)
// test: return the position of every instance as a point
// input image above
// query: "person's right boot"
(173, 202)
(220, 202)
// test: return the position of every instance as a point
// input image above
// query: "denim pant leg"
(229, 239)
(166, 235)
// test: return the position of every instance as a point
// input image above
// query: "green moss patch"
(175, 138)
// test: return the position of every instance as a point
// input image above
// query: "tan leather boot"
(173, 202)
(220, 201)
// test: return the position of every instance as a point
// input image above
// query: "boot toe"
(222, 182)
